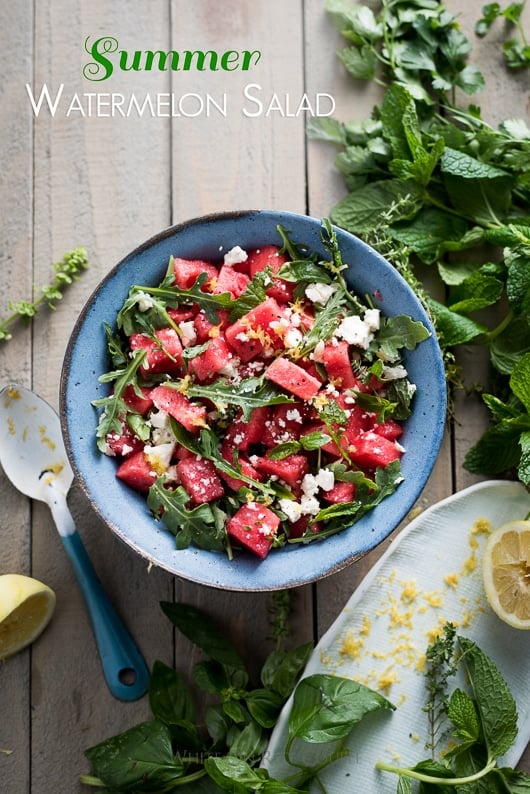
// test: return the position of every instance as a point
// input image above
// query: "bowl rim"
(241, 583)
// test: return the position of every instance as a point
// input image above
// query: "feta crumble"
(235, 256)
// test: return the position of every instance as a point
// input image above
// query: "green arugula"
(432, 186)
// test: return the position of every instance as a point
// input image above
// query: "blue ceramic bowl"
(126, 512)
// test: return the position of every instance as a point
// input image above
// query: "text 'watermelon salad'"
(257, 402)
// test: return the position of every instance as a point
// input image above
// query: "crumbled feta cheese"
(242, 337)
(318, 352)
(309, 485)
(372, 318)
(310, 505)
(294, 415)
(355, 331)
(326, 479)
(159, 419)
(144, 301)
(292, 338)
(292, 509)
(159, 456)
(189, 334)
(235, 256)
(394, 373)
(320, 293)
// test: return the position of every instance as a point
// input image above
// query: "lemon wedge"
(26, 608)
(506, 573)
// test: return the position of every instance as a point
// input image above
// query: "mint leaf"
(428, 231)
(463, 714)
(453, 328)
(495, 703)
(361, 211)
(523, 470)
(464, 165)
(196, 523)
(498, 449)
(520, 381)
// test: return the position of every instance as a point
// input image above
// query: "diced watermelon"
(207, 330)
(389, 429)
(216, 356)
(269, 256)
(162, 355)
(284, 424)
(246, 468)
(136, 472)
(230, 280)
(188, 270)
(124, 443)
(181, 315)
(341, 492)
(243, 434)
(336, 360)
(141, 404)
(245, 347)
(255, 527)
(190, 415)
(293, 378)
(291, 469)
(200, 479)
(371, 450)
(182, 452)
(299, 528)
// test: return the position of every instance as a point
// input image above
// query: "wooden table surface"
(108, 183)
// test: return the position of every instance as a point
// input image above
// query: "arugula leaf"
(114, 406)
(198, 523)
(250, 393)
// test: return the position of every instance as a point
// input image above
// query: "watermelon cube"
(337, 363)
(371, 450)
(163, 354)
(291, 469)
(141, 404)
(124, 443)
(191, 416)
(244, 344)
(269, 256)
(243, 434)
(230, 280)
(200, 479)
(246, 468)
(136, 472)
(341, 492)
(389, 429)
(255, 527)
(216, 356)
(284, 424)
(293, 378)
(187, 272)
(207, 330)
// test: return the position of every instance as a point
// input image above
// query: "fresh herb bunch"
(516, 49)
(67, 271)
(174, 752)
(483, 723)
(455, 196)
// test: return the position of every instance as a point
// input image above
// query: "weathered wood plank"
(102, 183)
(16, 197)
(242, 162)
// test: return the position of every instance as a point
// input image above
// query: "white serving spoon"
(33, 457)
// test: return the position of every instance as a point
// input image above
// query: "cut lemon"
(26, 607)
(506, 573)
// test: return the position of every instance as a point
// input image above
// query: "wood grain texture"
(108, 184)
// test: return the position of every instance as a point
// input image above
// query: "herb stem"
(433, 779)
(495, 332)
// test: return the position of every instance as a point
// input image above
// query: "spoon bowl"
(33, 457)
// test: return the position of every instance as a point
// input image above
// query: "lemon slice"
(26, 607)
(506, 573)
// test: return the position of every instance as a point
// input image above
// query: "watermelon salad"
(256, 401)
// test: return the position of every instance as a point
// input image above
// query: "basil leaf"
(325, 707)
(140, 758)
(169, 697)
(197, 627)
